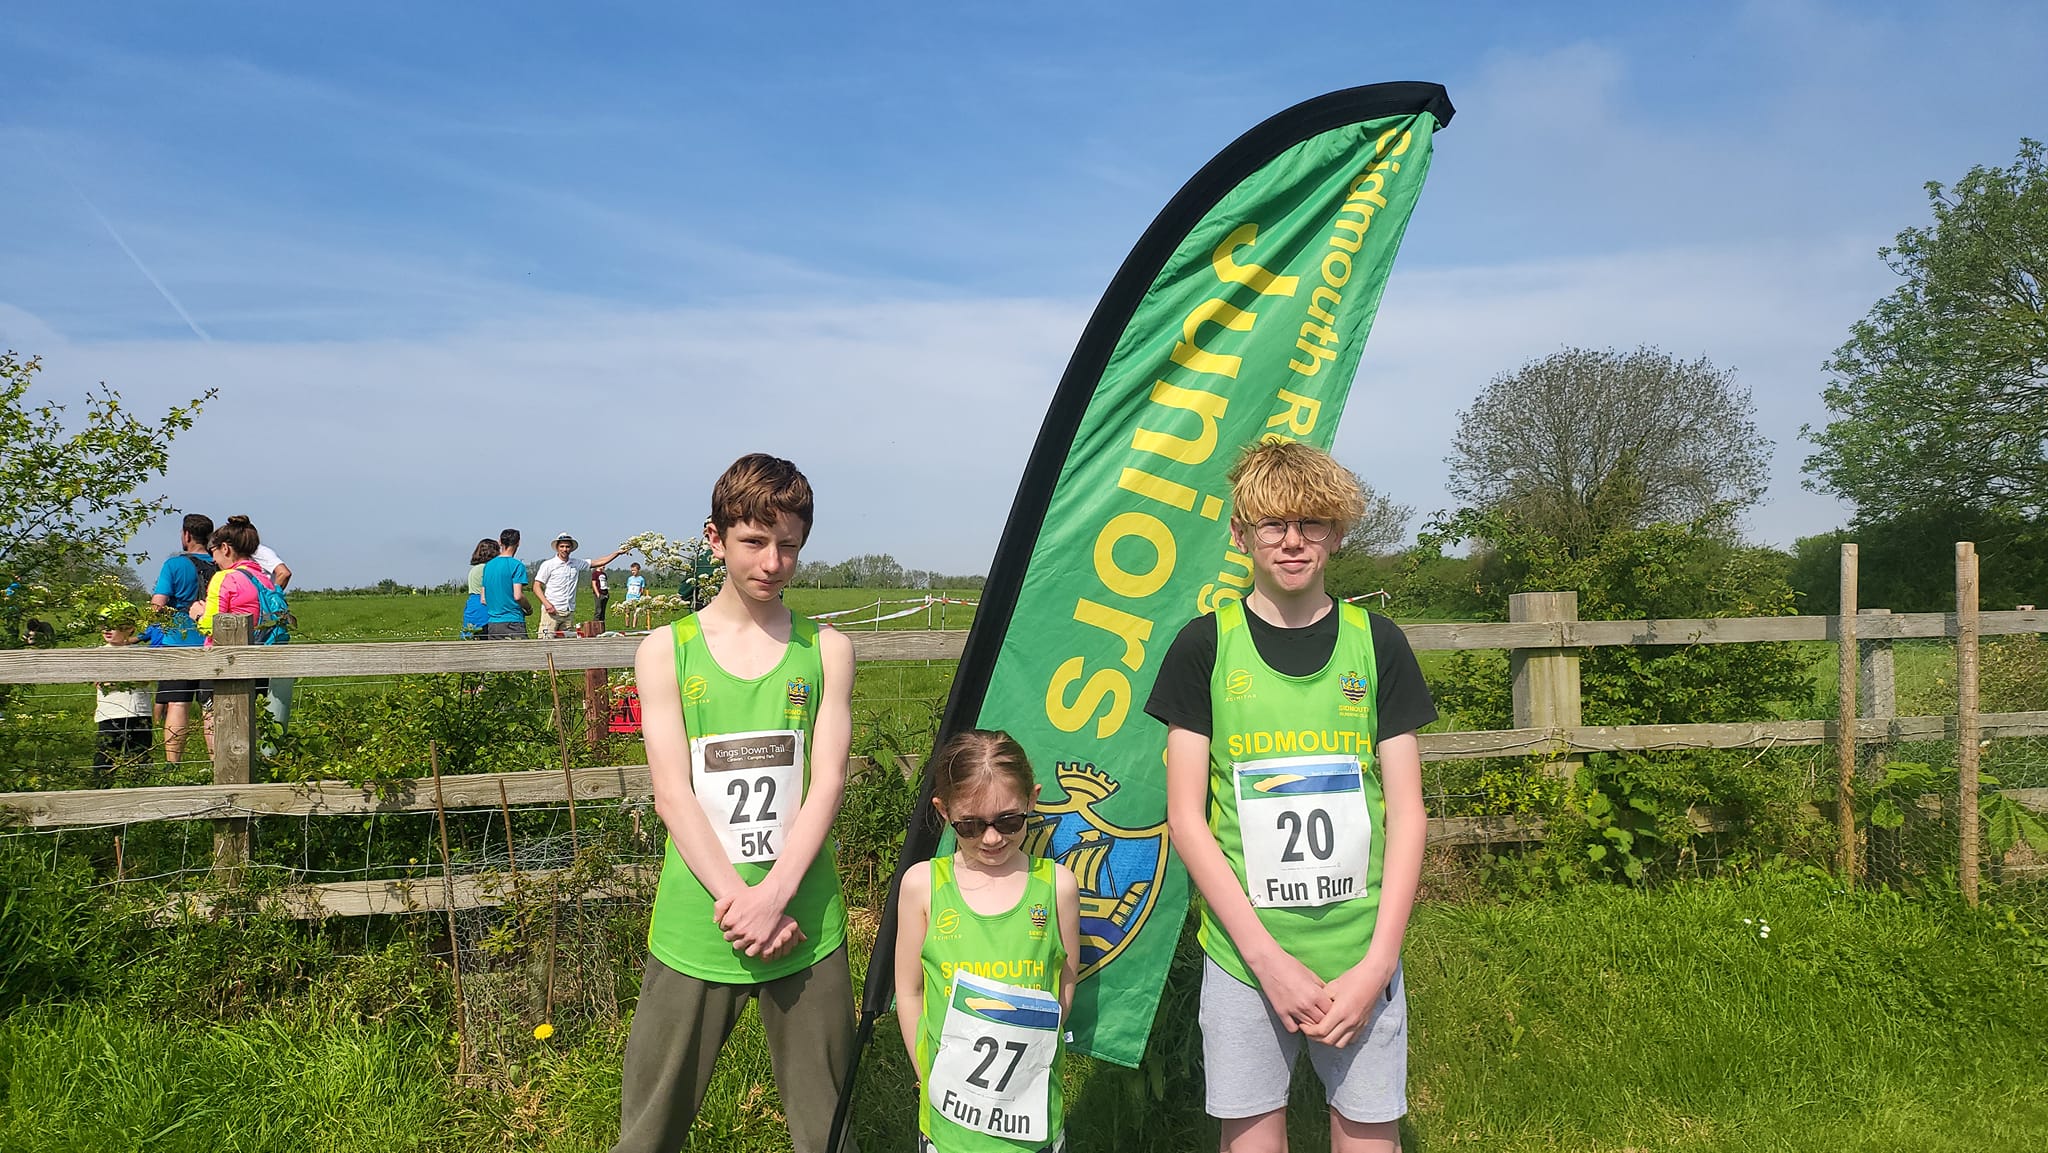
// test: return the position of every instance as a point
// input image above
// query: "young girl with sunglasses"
(987, 952)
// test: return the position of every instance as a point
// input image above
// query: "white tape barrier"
(921, 604)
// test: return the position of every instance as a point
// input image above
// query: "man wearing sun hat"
(557, 579)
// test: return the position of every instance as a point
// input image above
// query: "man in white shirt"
(557, 579)
(273, 566)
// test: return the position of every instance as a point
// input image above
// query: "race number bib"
(993, 1070)
(1306, 828)
(751, 785)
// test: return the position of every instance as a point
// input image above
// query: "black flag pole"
(1113, 313)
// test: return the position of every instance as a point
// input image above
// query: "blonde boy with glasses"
(1294, 796)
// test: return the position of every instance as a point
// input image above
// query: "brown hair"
(199, 527)
(486, 550)
(760, 488)
(970, 758)
(238, 534)
(1286, 479)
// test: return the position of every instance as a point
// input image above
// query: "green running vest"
(744, 737)
(1020, 948)
(1295, 802)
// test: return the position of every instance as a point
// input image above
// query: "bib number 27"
(992, 1050)
(993, 1069)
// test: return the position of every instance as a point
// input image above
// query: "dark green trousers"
(682, 1023)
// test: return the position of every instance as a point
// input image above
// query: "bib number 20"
(1306, 830)
(1322, 835)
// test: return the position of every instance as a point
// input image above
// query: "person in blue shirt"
(505, 581)
(179, 582)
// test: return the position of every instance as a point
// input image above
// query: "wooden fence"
(1543, 638)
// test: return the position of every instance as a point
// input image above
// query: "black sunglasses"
(1008, 824)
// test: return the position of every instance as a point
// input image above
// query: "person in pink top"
(234, 588)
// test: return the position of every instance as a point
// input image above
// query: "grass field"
(335, 618)
(1605, 1020)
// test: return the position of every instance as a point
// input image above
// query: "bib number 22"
(750, 785)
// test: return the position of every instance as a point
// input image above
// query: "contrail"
(136, 260)
(144, 268)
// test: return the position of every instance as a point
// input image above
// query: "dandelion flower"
(543, 1031)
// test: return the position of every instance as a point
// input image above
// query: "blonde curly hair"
(1286, 479)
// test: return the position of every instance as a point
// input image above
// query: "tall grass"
(93, 1078)
(1600, 1019)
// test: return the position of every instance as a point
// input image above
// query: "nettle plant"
(2006, 823)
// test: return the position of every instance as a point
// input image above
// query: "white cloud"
(1770, 314)
(390, 458)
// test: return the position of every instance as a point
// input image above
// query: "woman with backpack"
(241, 586)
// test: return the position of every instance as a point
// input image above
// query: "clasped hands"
(1331, 1012)
(754, 923)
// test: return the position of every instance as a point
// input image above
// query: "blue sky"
(418, 247)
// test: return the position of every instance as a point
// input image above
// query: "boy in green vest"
(1294, 796)
(747, 713)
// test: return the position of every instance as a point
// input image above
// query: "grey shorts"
(1248, 1056)
(505, 631)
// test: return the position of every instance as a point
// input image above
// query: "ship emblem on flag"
(1120, 869)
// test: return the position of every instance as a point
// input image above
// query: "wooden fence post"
(234, 743)
(1877, 693)
(1546, 680)
(1877, 697)
(1966, 712)
(1845, 724)
(597, 696)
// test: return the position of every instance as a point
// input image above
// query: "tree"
(1582, 443)
(70, 498)
(1906, 563)
(817, 574)
(1383, 527)
(873, 571)
(1942, 389)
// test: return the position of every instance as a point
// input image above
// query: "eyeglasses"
(1008, 824)
(1272, 531)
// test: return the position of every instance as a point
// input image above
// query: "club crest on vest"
(1120, 868)
(1354, 686)
(1357, 690)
